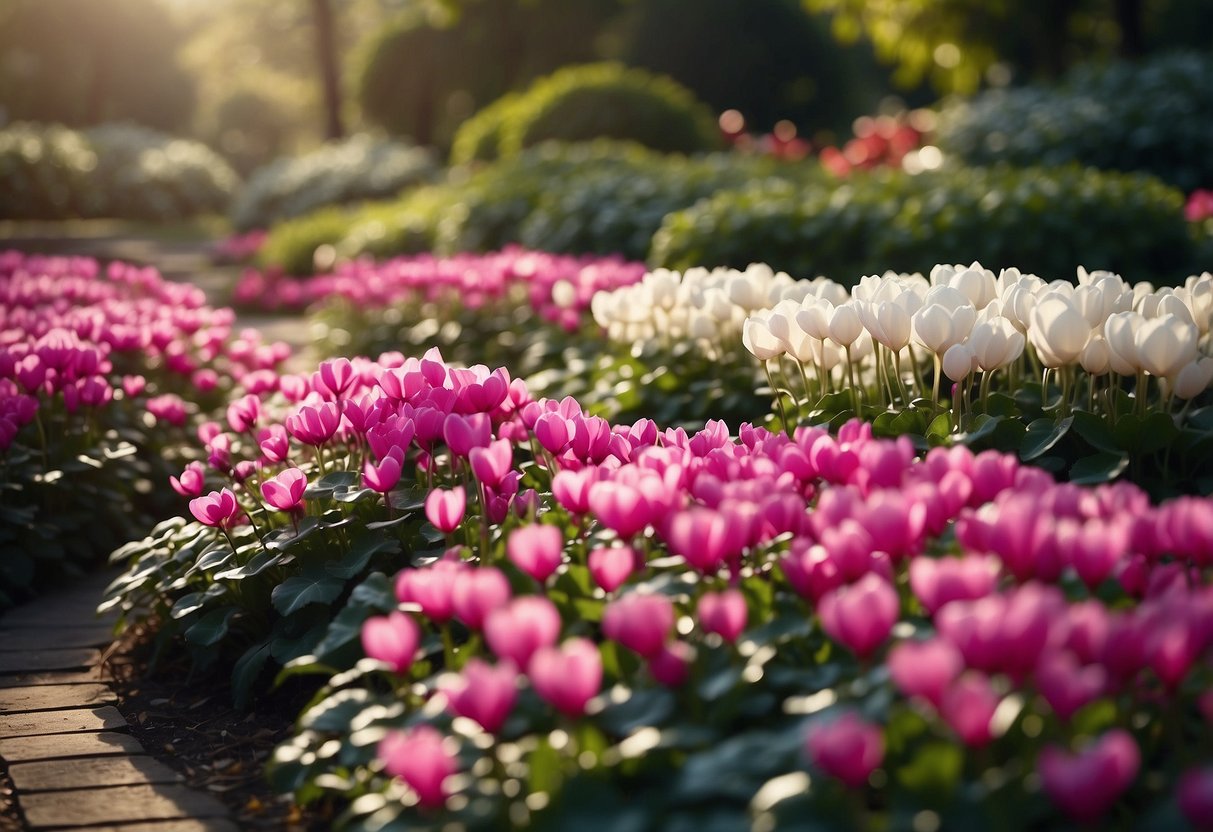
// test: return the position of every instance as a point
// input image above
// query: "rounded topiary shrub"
(479, 138)
(592, 101)
(1155, 116)
(1043, 220)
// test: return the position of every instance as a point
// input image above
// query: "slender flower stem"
(783, 416)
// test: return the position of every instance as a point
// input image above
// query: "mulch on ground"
(191, 725)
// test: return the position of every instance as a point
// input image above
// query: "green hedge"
(359, 168)
(597, 198)
(1155, 117)
(581, 103)
(1041, 220)
(117, 171)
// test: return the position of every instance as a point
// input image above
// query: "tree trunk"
(326, 60)
(1129, 15)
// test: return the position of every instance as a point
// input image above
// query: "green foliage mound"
(1155, 117)
(1045, 220)
(605, 100)
(117, 171)
(359, 168)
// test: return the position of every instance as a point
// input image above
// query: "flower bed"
(100, 370)
(532, 616)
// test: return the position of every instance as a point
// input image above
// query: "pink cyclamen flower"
(925, 668)
(968, 706)
(536, 549)
(1086, 784)
(491, 464)
(848, 748)
(567, 677)
(1195, 797)
(516, 630)
(284, 491)
(421, 757)
(477, 592)
(936, 581)
(483, 693)
(392, 638)
(314, 425)
(860, 615)
(383, 476)
(640, 622)
(219, 508)
(611, 566)
(1066, 684)
(191, 481)
(334, 377)
(723, 613)
(702, 537)
(432, 588)
(444, 508)
(671, 665)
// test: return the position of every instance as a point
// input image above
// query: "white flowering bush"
(1010, 358)
(358, 168)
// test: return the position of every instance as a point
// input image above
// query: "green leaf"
(1145, 435)
(336, 711)
(194, 601)
(211, 627)
(1042, 435)
(257, 564)
(1099, 468)
(361, 551)
(1096, 431)
(246, 671)
(295, 593)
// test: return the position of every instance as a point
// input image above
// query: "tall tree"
(326, 61)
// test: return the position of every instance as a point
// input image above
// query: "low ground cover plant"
(100, 370)
(532, 617)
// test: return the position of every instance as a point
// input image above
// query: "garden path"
(70, 759)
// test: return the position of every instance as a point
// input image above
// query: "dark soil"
(191, 725)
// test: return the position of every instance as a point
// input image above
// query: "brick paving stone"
(35, 660)
(92, 676)
(57, 616)
(62, 721)
(117, 805)
(21, 639)
(60, 746)
(53, 775)
(54, 697)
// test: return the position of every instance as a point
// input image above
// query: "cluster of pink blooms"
(240, 248)
(836, 519)
(69, 328)
(879, 142)
(1199, 206)
(557, 286)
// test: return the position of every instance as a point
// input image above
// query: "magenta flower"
(432, 588)
(536, 549)
(383, 476)
(477, 592)
(516, 630)
(219, 508)
(848, 748)
(284, 491)
(314, 424)
(444, 508)
(620, 507)
(274, 443)
(925, 668)
(420, 757)
(334, 378)
(1067, 685)
(640, 622)
(671, 665)
(723, 613)
(702, 537)
(463, 433)
(393, 638)
(483, 693)
(1195, 797)
(936, 581)
(860, 615)
(1086, 784)
(491, 464)
(242, 414)
(567, 677)
(611, 566)
(968, 706)
(191, 481)
(553, 432)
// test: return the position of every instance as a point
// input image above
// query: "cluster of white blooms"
(711, 306)
(969, 320)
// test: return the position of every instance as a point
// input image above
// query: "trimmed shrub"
(1044, 220)
(1155, 117)
(600, 198)
(605, 100)
(479, 138)
(359, 168)
(117, 171)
